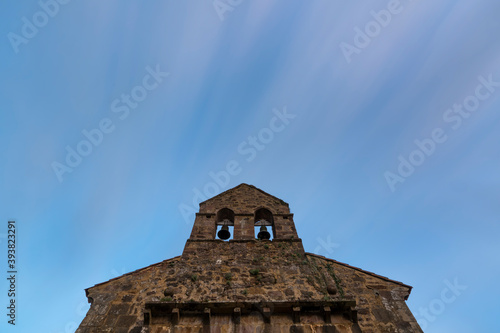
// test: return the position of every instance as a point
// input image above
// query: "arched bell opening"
(224, 224)
(264, 224)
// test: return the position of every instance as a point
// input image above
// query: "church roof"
(166, 263)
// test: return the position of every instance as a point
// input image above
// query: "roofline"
(242, 184)
(129, 273)
(362, 270)
(307, 253)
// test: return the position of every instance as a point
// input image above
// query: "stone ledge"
(175, 310)
(289, 240)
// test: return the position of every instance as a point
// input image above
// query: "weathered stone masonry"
(248, 285)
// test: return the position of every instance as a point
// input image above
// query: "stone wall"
(249, 273)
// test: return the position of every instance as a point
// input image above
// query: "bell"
(224, 233)
(263, 233)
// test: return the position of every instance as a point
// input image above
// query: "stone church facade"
(245, 284)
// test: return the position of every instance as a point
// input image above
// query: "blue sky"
(172, 92)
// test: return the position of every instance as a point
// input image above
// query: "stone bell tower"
(244, 269)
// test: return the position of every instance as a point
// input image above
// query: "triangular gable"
(243, 185)
(362, 271)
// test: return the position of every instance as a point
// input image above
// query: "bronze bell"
(224, 233)
(263, 233)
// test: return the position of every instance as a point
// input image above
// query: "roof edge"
(130, 273)
(363, 271)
